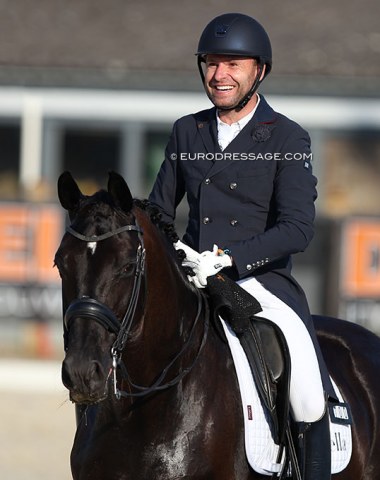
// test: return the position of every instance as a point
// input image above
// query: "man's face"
(228, 78)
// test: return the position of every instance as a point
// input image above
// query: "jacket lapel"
(247, 140)
(206, 124)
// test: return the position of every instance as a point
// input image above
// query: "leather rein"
(92, 309)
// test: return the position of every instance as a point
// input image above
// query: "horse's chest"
(159, 451)
(168, 459)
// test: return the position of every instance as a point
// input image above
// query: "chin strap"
(243, 102)
(252, 91)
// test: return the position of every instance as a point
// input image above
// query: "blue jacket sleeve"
(292, 225)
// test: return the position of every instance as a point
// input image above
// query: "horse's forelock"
(100, 207)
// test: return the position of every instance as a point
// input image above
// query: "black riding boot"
(314, 449)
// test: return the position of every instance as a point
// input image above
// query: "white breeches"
(307, 399)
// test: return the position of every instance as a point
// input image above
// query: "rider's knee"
(309, 409)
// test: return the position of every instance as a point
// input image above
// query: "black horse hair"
(166, 227)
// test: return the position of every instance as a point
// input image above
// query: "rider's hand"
(204, 264)
(192, 256)
(192, 260)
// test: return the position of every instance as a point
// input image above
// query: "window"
(89, 154)
(351, 178)
(155, 151)
(9, 161)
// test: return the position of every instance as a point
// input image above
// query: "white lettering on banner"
(30, 302)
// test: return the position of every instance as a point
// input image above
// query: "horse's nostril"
(66, 375)
(96, 375)
(95, 369)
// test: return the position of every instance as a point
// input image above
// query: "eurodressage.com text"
(218, 156)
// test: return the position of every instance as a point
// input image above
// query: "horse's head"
(106, 300)
(101, 263)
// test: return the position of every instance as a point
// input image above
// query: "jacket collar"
(245, 141)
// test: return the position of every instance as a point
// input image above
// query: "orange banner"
(29, 237)
(361, 258)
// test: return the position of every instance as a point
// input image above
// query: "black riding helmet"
(240, 35)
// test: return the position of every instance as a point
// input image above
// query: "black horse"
(152, 379)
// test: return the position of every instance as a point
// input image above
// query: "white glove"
(192, 256)
(203, 264)
(210, 264)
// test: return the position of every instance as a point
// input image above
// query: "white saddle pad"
(262, 453)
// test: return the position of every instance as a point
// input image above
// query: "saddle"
(264, 345)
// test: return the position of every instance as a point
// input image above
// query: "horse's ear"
(120, 192)
(68, 192)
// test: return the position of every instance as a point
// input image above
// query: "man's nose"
(220, 72)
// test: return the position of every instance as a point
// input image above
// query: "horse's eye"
(128, 269)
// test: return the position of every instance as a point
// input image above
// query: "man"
(247, 175)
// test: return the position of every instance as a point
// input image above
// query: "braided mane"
(156, 218)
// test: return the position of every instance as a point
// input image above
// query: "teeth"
(224, 87)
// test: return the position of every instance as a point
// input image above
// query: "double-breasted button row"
(207, 220)
(257, 264)
(232, 185)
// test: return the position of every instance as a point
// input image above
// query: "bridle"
(91, 309)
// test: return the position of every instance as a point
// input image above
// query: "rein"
(92, 309)
(158, 385)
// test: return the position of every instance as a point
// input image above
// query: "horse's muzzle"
(86, 368)
(87, 382)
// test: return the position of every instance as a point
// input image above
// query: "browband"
(99, 238)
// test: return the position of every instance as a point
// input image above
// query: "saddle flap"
(263, 342)
(268, 355)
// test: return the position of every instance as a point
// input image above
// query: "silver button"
(206, 220)
(233, 185)
(249, 267)
(207, 181)
(233, 222)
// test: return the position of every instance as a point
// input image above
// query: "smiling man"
(245, 170)
(228, 79)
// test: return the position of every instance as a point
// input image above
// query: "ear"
(118, 189)
(68, 192)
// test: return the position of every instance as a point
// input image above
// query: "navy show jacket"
(255, 198)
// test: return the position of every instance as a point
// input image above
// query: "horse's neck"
(171, 301)
(170, 307)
